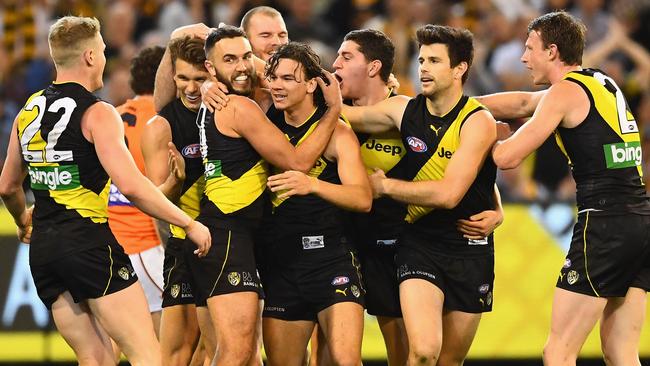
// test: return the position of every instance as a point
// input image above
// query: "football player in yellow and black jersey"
(176, 124)
(70, 143)
(606, 272)
(445, 279)
(236, 143)
(310, 275)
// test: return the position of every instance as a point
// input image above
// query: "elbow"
(450, 201)
(503, 160)
(298, 165)
(7, 191)
(366, 204)
(364, 200)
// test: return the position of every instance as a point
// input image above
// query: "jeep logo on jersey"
(623, 154)
(387, 148)
(416, 144)
(192, 151)
(212, 169)
(54, 178)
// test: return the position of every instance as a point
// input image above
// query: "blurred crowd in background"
(618, 42)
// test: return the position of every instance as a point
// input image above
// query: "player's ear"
(460, 70)
(374, 67)
(211, 69)
(89, 56)
(312, 84)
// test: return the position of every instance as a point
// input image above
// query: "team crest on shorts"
(124, 273)
(572, 277)
(234, 278)
(175, 290)
(355, 291)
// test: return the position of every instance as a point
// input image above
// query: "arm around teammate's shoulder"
(511, 105)
(563, 99)
(247, 120)
(381, 117)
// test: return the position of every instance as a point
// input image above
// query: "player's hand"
(176, 163)
(292, 183)
(331, 92)
(214, 94)
(199, 30)
(377, 180)
(503, 131)
(200, 235)
(24, 225)
(392, 82)
(480, 225)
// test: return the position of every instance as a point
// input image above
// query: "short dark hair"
(225, 31)
(375, 45)
(143, 69)
(459, 42)
(188, 49)
(305, 56)
(264, 10)
(563, 30)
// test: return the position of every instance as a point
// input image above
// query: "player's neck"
(374, 93)
(442, 103)
(298, 114)
(74, 76)
(558, 73)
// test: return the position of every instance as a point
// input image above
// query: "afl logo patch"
(192, 151)
(340, 280)
(416, 144)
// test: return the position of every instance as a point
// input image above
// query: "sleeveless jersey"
(313, 222)
(384, 223)
(604, 150)
(431, 142)
(133, 229)
(69, 184)
(185, 136)
(235, 176)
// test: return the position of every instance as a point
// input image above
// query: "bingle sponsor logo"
(54, 178)
(623, 155)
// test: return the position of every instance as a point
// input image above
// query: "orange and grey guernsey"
(235, 177)
(69, 183)
(134, 230)
(309, 215)
(604, 151)
(430, 143)
(185, 136)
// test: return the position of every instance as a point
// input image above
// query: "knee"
(349, 359)
(555, 354)
(424, 354)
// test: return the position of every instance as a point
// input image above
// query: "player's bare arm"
(165, 88)
(11, 187)
(477, 136)
(564, 101)
(381, 117)
(510, 105)
(484, 223)
(156, 137)
(353, 193)
(102, 126)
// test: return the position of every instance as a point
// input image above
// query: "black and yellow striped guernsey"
(235, 177)
(430, 143)
(301, 223)
(604, 151)
(185, 136)
(69, 183)
(383, 224)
